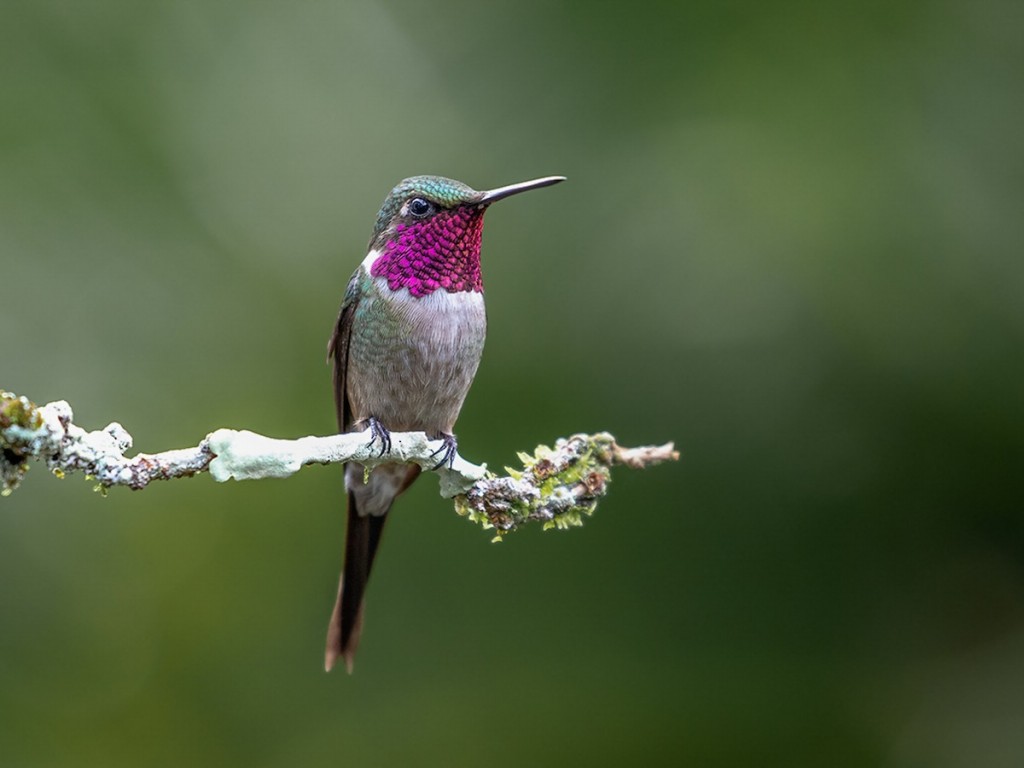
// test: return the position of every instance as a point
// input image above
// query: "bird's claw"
(379, 432)
(448, 451)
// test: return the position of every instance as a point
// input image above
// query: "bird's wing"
(337, 349)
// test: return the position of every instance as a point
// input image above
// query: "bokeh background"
(790, 241)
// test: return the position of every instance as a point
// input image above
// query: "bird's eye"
(419, 207)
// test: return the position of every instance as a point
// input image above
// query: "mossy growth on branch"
(20, 421)
(557, 486)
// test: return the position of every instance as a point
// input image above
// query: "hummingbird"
(405, 349)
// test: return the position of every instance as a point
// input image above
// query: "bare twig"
(556, 486)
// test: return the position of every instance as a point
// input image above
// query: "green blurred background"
(790, 241)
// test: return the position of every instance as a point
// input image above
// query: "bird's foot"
(448, 450)
(379, 432)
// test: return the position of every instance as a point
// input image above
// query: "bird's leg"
(448, 449)
(380, 432)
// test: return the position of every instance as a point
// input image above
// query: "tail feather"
(361, 541)
(368, 506)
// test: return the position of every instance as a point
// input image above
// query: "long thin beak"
(514, 189)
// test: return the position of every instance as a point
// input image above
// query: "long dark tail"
(361, 541)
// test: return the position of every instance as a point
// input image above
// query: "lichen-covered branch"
(557, 486)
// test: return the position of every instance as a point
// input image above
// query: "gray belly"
(412, 360)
